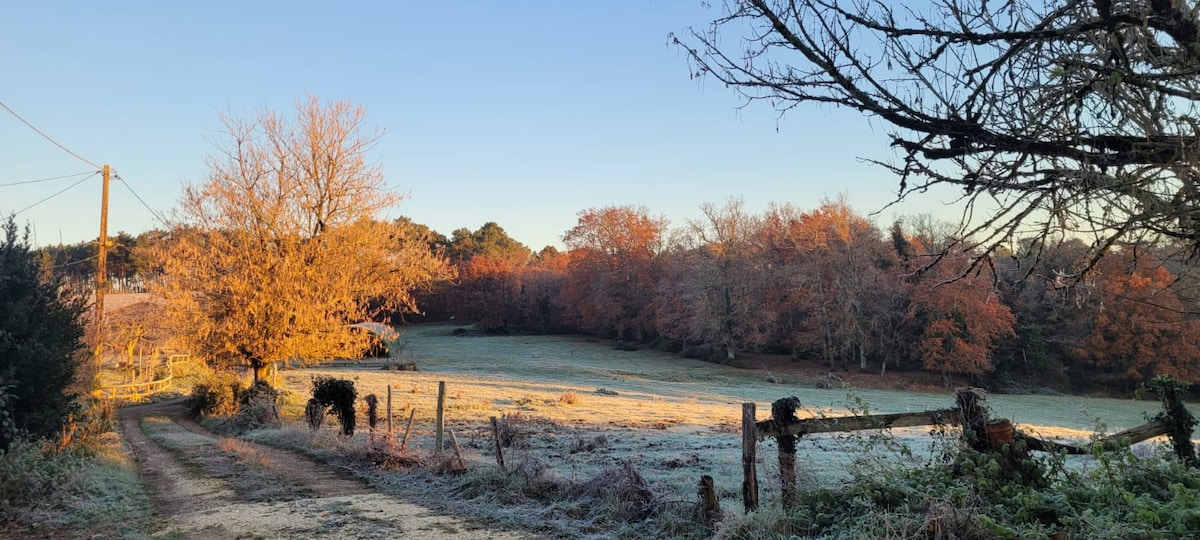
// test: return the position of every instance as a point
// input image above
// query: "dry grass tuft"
(513, 430)
(385, 453)
(244, 452)
(628, 494)
(588, 444)
(569, 398)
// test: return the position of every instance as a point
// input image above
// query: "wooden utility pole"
(102, 262)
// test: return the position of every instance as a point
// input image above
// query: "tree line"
(829, 284)
(825, 283)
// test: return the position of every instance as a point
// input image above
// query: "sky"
(523, 113)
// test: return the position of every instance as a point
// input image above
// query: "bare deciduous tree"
(1070, 114)
(280, 247)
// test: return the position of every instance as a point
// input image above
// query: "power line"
(139, 198)
(73, 263)
(47, 137)
(46, 179)
(64, 190)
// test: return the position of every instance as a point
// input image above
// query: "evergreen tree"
(40, 342)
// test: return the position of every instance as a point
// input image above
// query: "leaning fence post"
(496, 439)
(404, 442)
(749, 448)
(389, 410)
(440, 426)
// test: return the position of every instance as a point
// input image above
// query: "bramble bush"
(332, 395)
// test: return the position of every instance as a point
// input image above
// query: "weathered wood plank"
(1133, 435)
(769, 428)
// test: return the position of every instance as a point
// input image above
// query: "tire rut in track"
(207, 486)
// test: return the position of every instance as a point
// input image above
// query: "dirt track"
(208, 486)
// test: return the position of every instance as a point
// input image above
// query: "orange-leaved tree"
(613, 269)
(958, 318)
(280, 246)
(1141, 327)
(487, 291)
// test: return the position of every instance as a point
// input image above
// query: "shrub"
(569, 398)
(258, 406)
(332, 395)
(40, 345)
(8, 427)
(28, 473)
(217, 394)
(512, 431)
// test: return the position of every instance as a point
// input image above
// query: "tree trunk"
(261, 369)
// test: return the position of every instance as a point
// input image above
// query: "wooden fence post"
(974, 416)
(749, 449)
(783, 413)
(389, 410)
(710, 509)
(496, 440)
(441, 404)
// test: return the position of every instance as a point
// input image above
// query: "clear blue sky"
(522, 113)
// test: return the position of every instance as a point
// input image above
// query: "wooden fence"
(980, 431)
(147, 388)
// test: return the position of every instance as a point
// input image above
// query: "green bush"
(29, 472)
(40, 344)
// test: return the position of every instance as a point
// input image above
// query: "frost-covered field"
(580, 406)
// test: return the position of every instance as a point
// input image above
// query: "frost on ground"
(206, 486)
(576, 408)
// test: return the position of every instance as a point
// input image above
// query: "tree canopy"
(1069, 114)
(489, 240)
(281, 246)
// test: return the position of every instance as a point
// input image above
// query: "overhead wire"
(153, 212)
(73, 263)
(46, 179)
(47, 137)
(60, 192)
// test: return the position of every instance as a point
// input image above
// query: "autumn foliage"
(828, 284)
(1140, 328)
(281, 246)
